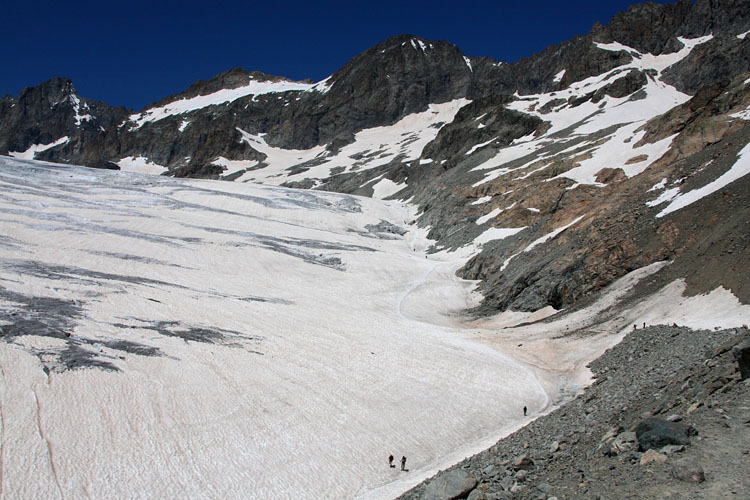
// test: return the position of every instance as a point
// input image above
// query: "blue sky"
(133, 53)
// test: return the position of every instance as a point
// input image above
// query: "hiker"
(403, 463)
(390, 461)
(524, 411)
(635, 327)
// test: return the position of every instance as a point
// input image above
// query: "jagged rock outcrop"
(55, 119)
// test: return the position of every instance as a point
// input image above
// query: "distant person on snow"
(390, 461)
(403, 463)
(524, 411)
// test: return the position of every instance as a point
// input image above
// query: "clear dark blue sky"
(136, 52)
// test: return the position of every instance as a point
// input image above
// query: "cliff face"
(598, 156)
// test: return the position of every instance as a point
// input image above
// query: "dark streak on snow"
(192, 333)
(76, 274)
(135, 258)
(23, 315)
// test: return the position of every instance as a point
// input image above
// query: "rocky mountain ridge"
(566, 170)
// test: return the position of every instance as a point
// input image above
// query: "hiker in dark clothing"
(524, 411)
(390, 461)
(403, 463)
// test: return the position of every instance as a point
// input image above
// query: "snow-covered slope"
(245, 342)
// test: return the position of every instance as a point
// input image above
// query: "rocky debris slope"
(667, 417)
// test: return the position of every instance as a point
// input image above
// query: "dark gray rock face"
(742, 355)
(654, 433)
(44, 114)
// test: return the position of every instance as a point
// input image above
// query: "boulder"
(653, 457)
(522, 463)
(688, 470)
(450, 485)
(624, 442)
(654, 433)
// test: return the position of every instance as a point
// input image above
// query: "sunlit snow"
(31, 152)
(373, 147)
(140, 164)
(219, 97)
(258, 342)
(740, 169)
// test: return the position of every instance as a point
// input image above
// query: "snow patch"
(140, 164)
(474, 148)
(38, 148)
(558, 77)
(740, 169)
(744, 114)
(223, 96)
(483, 199)
(664, 197)
(385, 188)
(489, 216)
(497, 233)
(658, 186)
(79, 106)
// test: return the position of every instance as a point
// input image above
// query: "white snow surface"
(497, 233)
(219, 97)
(740, 169)
(489, 216)
(30, 153)
(140, 164)
(337, 348)
(385, 188)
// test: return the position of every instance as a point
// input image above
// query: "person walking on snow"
(390, 461)
(524, 411)
(403, 463)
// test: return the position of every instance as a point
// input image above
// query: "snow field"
(323, 374)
